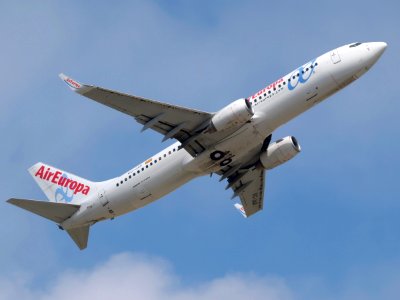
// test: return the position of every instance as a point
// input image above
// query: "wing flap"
(172, 121)
(249, 187)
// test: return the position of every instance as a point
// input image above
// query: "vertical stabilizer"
(60, 186)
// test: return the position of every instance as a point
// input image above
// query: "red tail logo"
(58, 178)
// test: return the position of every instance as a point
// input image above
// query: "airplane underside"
(235, 143)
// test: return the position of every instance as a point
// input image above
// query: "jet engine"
(235, 114)
(280, 152)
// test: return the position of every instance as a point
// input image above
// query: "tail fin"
(60, 186)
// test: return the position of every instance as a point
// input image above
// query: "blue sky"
(330, 227)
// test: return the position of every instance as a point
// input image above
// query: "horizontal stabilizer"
(80, 236)
(57, 212)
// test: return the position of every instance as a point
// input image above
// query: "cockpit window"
(355, 45)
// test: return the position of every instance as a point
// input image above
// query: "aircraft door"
(335, 57)
(105, 202)
(145, 196)
(144, 192)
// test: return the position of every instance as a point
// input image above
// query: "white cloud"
(133, 276)
(138, 276)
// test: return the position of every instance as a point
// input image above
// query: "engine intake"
(280, 152)
(233, 115)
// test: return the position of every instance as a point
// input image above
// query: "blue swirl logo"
(302, 75)
(61, 193)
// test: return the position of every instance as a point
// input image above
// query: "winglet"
(240, 208)
(74, 84)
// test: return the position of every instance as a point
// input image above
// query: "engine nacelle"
(280, 152)
(233, 115)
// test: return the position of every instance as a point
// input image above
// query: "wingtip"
(240, 208)
(73, 84)
(62, 76)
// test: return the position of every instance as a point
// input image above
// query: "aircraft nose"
(376, 49)
(379, 47)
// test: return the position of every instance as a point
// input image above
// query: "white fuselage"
(274, 105)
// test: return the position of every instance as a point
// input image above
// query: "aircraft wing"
(172, 121)
(248, 185)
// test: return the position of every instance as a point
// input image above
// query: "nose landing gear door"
(105, 202)
(335, 57)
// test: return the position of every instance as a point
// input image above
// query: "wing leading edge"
(172, 121)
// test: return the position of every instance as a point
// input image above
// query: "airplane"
(234, 143)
